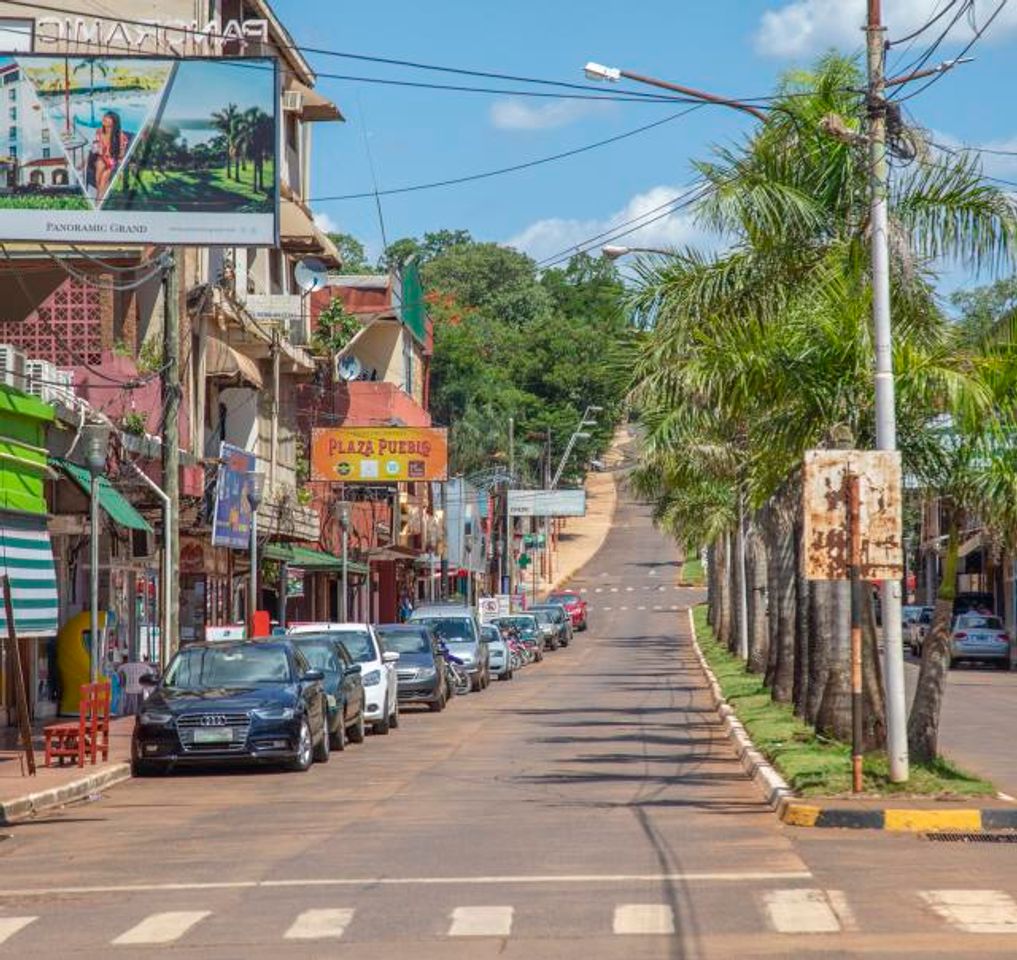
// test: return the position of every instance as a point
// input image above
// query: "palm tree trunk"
(759, 629)
(733, 580)
(772, 592)
(873, 695)
(833, 717)
(784, 601)
(711, 586)
(822, 622)
(923, 721)
(722, 629)
(803, 637)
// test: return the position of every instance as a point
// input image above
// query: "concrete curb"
(772, 785)
(20, 808)
(796, 812)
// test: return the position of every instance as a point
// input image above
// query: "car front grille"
(238, 723)
(406, 674)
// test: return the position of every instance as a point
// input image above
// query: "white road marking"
(800, 911)
(629, 589)
(750, 876)
(974, 911)
(11, 925)
(320, 925)
(841, 907)
(597, 589)
(658, 607)
(623, 608)
(652, 573)
(608, 608)
(641, 608)
(162, 927)
(643, 919)
(1006, 796)
(481, 922)
(614, 589)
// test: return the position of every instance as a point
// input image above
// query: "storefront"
(314, 579)
(207, 594)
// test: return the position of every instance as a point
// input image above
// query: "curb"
(772, 785)
(796, 812)
(20, 808)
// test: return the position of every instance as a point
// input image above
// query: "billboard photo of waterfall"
(161, 150)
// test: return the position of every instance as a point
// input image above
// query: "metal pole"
(171, 446)
(855, 536)
(344, 596)
(252, 599)
(509, 545)
(93, 578)
(886, 423)
(743, 594)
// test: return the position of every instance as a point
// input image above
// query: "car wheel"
(393, 719)
(305, 749)
(339, 737)
(145, 768)
(323, 749)
(1003, 665)
(381, 727)
(554, 644)
(358, 729)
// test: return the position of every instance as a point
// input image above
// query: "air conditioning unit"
(40, 375)
(12, 367)
(293, 101)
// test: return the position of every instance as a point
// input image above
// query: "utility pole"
(886, 418)
(171, 446)
(509, 558)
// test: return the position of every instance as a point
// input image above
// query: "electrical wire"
(922, 60)
(928, 23)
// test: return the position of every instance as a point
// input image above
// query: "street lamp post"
(255, 491)
(96, 441)
(613, 251)
(345, 516)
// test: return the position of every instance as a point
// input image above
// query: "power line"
(928, 23)
(367, 194)
(920, 62)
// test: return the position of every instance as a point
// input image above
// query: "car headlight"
(425, 673)
(275, 713)
(152, 719)
(371, 679)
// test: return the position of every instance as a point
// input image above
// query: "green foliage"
(150, 355)
(336, 328)
(135, 423)
(351, 250)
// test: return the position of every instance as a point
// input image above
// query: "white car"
(378, 672)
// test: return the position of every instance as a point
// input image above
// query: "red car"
(574, 604)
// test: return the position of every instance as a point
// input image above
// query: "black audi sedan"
(421, 670)
(256, 700)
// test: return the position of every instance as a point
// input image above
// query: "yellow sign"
(379, 454)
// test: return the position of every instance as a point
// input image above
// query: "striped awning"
(26, 557)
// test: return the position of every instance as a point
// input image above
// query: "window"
(12, 150)
(59, 178)
(12, 132)
(16, 36)
(14, 113)
(45, 153)
(37, 177)
(44, 135)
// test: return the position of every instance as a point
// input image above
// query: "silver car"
(456, 626)
(498, 650)
(980, 638)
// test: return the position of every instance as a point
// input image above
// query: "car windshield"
(979, 623)
(320, 655)
(554, 613)
(491, 634)
(563, 598)
(522, 624)
(405, 641)
(450, 629)
(228, 667)
(926, 617)
(543, 616)
(358, 644)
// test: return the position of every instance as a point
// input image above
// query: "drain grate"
(947, 837)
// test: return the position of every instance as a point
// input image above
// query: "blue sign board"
(231, 526)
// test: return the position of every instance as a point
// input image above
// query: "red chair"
(89, 736)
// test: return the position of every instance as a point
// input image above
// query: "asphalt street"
(589, 808)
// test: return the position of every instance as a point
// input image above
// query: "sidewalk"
(23, 796)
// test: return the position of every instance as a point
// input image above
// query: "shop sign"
(294, 582)
(379, 454)
(547, 503)
(231, 524)
(177, 37)
(224, 634)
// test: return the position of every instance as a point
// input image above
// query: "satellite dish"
(348, 368)
(311, 274)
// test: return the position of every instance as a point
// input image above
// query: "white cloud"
(545, 238)
(515, 114)
(804, 27)
(994, 164)
(325, 223)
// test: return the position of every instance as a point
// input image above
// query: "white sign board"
(547, 503)
(488, 608)
(236, 631)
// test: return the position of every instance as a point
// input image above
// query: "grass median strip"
(692, 573)
(812, 765)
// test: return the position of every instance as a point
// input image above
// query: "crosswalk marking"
(614, 589)
(162, 927)
(641, 608)
(800, 911)
(481, 922)
(608, 608)
(320, 925)
(629, 589)
(974, 911)
(643, 919)
(840, 906)
(11, 925)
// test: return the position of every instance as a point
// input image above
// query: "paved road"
(588, 809)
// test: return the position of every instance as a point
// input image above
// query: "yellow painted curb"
(925, 821)
(800, 815)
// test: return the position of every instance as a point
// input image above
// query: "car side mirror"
(148, 680)
(311, 675)
(390, 656)
(354, 668)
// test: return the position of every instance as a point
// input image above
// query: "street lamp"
(255, 493)
(96, 444)
(614, 252)
(344, 512)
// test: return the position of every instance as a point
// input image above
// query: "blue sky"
(737, 47)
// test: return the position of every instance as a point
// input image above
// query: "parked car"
(377, 669)
(981, 639)
(918, 629)
(574, 604)
(501, 656)
(457, 626)
(421, 673)
(528, 630)
(550, 627)
(255, 700)
(560, 617)
(344, 688)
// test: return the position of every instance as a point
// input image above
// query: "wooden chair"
(89, 736)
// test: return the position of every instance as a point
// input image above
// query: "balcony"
(373, 403)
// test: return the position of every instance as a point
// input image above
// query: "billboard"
(231, 522)
(379, 454)
(139, 150)
(547, 503)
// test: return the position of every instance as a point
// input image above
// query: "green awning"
(110, 499)
(26, 556)
(313, 561)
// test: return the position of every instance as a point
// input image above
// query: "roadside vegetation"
(811, 764)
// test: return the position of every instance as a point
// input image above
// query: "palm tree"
(228, 122)
(772, 334)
